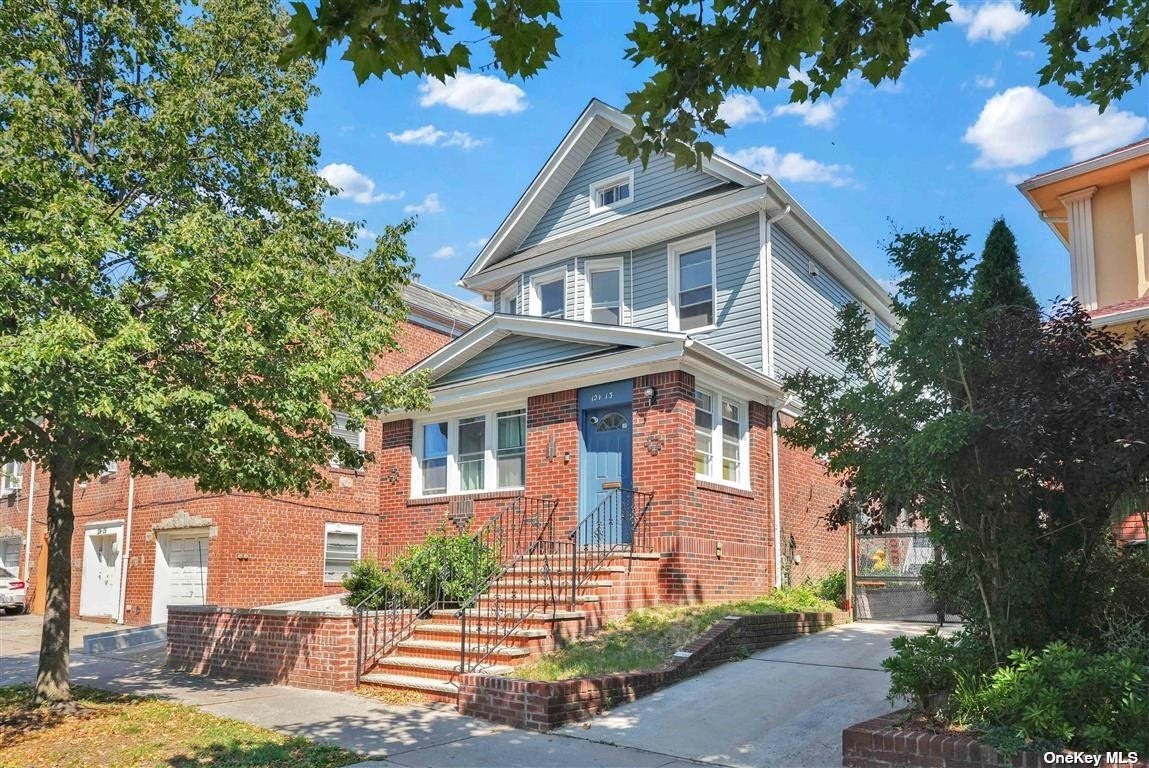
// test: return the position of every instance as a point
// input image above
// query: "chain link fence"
(887, 577)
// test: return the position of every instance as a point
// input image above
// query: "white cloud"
(816, 114)
(430, 204)
(1013, 179)
(478, 242)
(790, 166)
(994, 21)
(445, 252)
(473, 94)
(353, 185)
(1022, 125)
(741, 109)
(985, 81)
(431, 136)
(917, 53)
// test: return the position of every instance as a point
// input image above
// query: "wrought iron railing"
(506, 596)
(389, 614)
(619, 523)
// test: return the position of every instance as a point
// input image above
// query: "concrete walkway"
(783, 707)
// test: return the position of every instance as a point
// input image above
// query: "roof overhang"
(1133, 315)
(498, 327)
(682, 354)
(564, 162)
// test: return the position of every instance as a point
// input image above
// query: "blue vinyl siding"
(649, 287)
(658, 184)
(739, 299)
(805, 310)
(517, 352)
(883, 333)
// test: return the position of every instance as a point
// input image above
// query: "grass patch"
(648, 638)
(122, 730)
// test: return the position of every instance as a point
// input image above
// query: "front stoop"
(427, 662)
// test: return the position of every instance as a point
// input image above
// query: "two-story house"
(142, 544)
(643, 319)
(1099, 208)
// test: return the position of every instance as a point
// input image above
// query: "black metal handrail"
(506, 595)
(617, 524)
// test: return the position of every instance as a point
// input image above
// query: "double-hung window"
(721, 442)
(471, 454)
(508, 303)
(356, 438)
(434, 458)
(610, 193)
(692, 283)
(548, 294)
(342, 547)
(604, 292)
(11, 477)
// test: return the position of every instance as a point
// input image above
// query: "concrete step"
(131, 637)
(406, 682)
(534, 616)
(447, 647)
(523, 633)
(510, 595)
(513, 580)
(420, 664)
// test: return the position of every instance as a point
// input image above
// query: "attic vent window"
(612, 192)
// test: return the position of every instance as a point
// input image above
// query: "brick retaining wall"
(540, 706)
(884, 743)
(304, 649)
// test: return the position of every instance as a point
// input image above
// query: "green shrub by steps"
(448, 568)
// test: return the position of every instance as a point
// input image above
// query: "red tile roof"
(1123, 306)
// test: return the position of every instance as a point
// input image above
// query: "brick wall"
(540, 706)
(807, 494)
(260, 550)
(305, 650)
(889, 742)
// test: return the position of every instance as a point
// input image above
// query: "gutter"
(777, 406)
(126, 556)
(28, 528)
(767, 233)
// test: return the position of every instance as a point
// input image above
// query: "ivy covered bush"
(446, 567)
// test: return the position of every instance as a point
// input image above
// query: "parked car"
(12, 592)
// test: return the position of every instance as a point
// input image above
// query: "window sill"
(703, 329)
(501, 493)
(719, 486)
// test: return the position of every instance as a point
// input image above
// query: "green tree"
(702, 51)
(1014, 439)
(997, 280)
(171, 292)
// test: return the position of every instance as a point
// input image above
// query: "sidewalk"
(412, 736)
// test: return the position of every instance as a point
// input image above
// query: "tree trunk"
(52, 677)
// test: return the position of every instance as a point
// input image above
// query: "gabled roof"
(562, 165)
(497, 327)
(1112, 157)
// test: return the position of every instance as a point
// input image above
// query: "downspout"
(777, 493)
(127, 554)
(28, 525)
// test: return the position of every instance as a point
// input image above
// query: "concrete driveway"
(785, 706)
(21, 634)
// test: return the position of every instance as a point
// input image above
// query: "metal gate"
(887, 576)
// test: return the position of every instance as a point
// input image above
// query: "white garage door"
(181, 572)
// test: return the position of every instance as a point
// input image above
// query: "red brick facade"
(717, 540)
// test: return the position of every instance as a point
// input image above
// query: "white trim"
(330, 528)
(6, 486)
(718, 399)
(612, 181)
(674, 251)
(126, 556)
(490, 416)
(558, 274)
(611, 264)
(766, 273)
(1083, 167)
(513, 292)
(776, 493)
(1125, 316)
(1083, 267)
(28, 524)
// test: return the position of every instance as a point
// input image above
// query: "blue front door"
(604, 471)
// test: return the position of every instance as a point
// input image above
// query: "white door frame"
(96, 599)
(161, 584)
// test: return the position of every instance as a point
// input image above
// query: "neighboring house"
(644, 318)
(1099, 208)
(143, 543)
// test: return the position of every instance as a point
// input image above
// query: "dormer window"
(612, 192)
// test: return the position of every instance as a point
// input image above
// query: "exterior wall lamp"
(650, 393)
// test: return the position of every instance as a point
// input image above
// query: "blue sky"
(950, 139)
